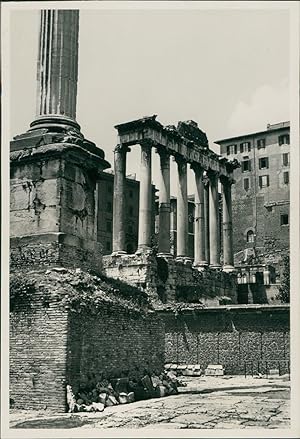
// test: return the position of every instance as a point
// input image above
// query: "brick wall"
(229, 338)
(114, 341)
(38, 343)
(51, 345)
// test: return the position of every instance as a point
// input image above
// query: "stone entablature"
(148, 129)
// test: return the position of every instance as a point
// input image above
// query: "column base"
(143, 250)
(215, 266)
(54, 122)
(184, 259)
(202, 265)
(165, 255)
(228, 268)
(118, 253)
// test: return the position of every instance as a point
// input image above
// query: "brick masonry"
(230, 338)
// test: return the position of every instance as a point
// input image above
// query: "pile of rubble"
(195, 369)
(106, 393)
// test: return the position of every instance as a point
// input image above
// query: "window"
(263, 181)
(284, 219)
(261, 143)
(250, 236)
(246, 165)
(284, 139)
(246, 184)
(109, 206)
(231, 149)
(286, 177)
(263, 163)
(108, 226)
(285, 159)
(245, 147)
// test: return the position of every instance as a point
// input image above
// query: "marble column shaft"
(182, 209)
(164, 203)
(57, 71)
(119, 199)
(206, 220)
(199, 243)
(227, 225)
(214, 236)
(145, 207)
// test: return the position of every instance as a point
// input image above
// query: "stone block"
(214, 370)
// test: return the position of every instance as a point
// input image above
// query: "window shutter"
(260, 181)
(267, 180)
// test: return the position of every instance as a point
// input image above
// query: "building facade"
(105, 212)
(260, 196)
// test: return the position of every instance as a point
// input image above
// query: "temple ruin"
(61, 284)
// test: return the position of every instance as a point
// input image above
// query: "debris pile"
(94, 397)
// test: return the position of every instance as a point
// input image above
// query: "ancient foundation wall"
(166, 279)
(230, 338)
(115, 342)
(38, 348)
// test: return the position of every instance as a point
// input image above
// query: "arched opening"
(250, 236)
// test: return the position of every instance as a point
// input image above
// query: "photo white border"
(293, 7)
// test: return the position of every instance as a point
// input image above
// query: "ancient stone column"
(57, 70)
(227, 225)
(199, 243)
(164, 203)
(182, 209)
(119, 199)
(214, 237)
(144, 242)
(206, 218)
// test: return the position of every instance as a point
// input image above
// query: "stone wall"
(229, 337)
(165, 279)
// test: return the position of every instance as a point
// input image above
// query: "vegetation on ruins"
(284, 289)
(75, 290)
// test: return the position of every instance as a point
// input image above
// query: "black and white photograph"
(150, 219)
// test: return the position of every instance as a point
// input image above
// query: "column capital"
(162, 151)
(197, 168)
(121, 148)
(226, 181)
(211, 174)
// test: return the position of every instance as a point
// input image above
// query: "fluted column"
(199, 243)
(206, 218)
(145, 198)
(182, 209)
(214, 236)
(119, 199)
(57, 69)
(227, 225)
(164, 203)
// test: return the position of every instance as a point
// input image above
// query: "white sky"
(226, 69)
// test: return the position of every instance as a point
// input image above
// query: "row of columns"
(207, 237)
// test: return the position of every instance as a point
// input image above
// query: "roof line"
(253, 134)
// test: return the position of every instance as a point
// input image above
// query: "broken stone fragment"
(102, 397)
(123, 398)
(131, 397)
(98, 406)
(111, 400)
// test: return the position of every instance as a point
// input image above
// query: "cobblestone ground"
(266, 406)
